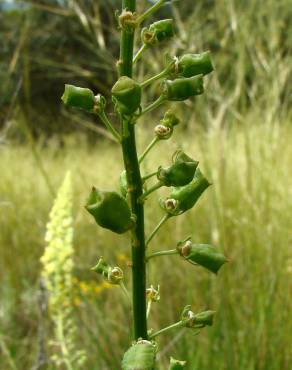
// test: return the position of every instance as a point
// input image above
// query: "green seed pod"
(140, 356)
(180, 173)
(158, 32)
(127, 95)
(202, 254)
(190, 65)
(110, 210)
(182, 88)
(176, 364)
(123, 184)
(185, 197)
(78, 97)
(204, 318)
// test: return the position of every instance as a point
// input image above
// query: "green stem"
(153, 105)
(139, 53)
(135, 184)
(150, 190)
(176, 325)
(162, 221)
(160, 75)
(148, 308)
(148, 176)
(125, 290)
(150, 11)
(162, 253)
(146, 151)
(109, 126)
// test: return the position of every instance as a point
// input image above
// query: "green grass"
(246, 213)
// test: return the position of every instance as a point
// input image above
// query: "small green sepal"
(205, 255)
(127, 95)
(110, 210)
(113, 275)
(78, 97)
(164, 130)
(158, 32)
(182, 88)
(196, 321)
(190, 65)
(180, 173)
(185, 197)
(176, 364)
(140, 356)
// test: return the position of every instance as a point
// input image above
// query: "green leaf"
(140, 356)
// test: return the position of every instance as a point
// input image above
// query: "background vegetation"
(241, 133)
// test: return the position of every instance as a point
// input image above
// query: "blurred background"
(240, 131)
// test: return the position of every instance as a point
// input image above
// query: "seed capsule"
(202, 254)
(78, 97)
(185, 197)
(190, 65)
(182, 88)
(158, 32)
(127, 95)
(176, 364)
(180, 173)
(110, 210)
(141, 356)
(115, 275)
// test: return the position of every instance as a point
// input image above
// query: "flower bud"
(123, 184)
(158, 32)
(180, 173)
(127, 95)
(164, 130)
(78, 97)
(176, 364)
(153, 294)
(185, 197)
(110, 210)
(202, 254)
(182, 88)
(190, 65)
(140, 356)
(192, 320)
(115, 275)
